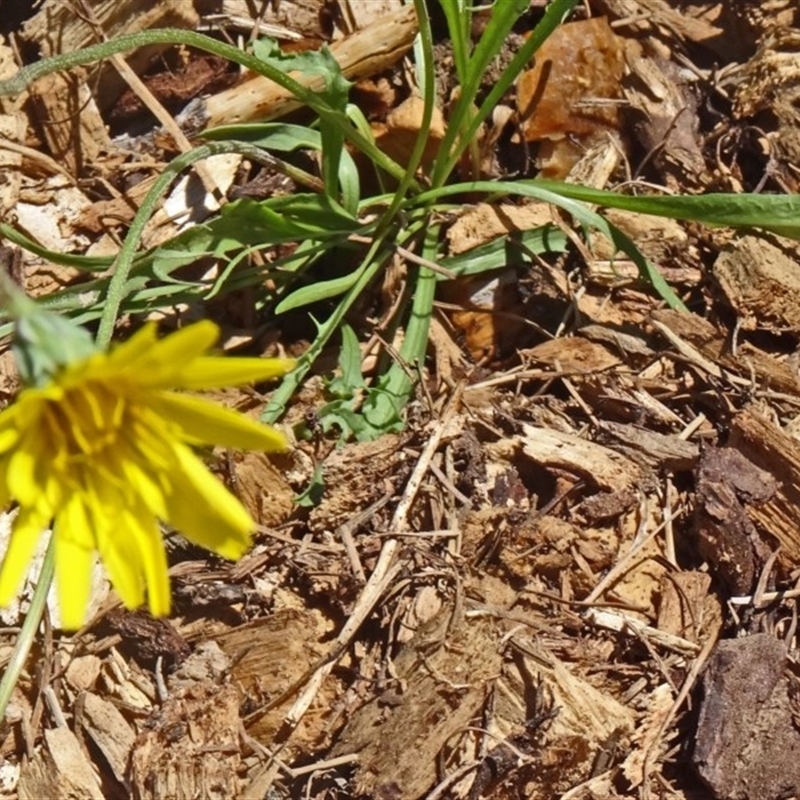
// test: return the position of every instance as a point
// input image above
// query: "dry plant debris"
(575, 573)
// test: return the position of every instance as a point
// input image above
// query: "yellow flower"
(104, 451)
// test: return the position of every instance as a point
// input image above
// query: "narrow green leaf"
(581, 212)
(86, 263)
(316, 292)
(776, 213)
(503, 250)
(283, 219)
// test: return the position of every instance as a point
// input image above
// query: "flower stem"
(27, 634)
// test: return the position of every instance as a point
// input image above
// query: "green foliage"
(312, 495)
(44, 342)
(284, 138)
(347, 390)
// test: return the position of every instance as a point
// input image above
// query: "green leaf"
(347, 388)
(351, 423)
(350, 378)
(778, 214)
(334, 90)
(321, 62)
(283, 219)
(581, 212)
(464, 120)
(284, 137)
(383, 408)
(505, 250)
(87, 263)
(317, 291)
(44, 343)
(280, 136)
(312, 495)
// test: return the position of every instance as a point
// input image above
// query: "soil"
(574, 573)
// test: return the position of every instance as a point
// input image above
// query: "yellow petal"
(75, 557)
(138, 346)
(123, 565)
(118, 550)
(204, 422)
(24, 468)
(25, 534)
(212, 372)
(168, 357)
(149, 435)
(146, 486)
(33, 473)
(143, 529)
(204, 511)
(9, 427)
(5, 494)
(78, 373)
(186, 343)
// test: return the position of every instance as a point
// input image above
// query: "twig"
(382, 576)
(34, 155)
(618, 622)
(345, 531)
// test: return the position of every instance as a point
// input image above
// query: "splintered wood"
(56, 28)
(761, 281)
(778, 454)
(363, 54)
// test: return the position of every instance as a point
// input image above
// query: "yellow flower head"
(104, 450)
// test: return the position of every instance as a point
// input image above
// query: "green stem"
(384, 405)
(369, 268)
(464, 122)
(429, 98)
(27, 634)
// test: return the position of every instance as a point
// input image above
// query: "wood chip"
(62, 769)
(399, 738)
(109, 730)
(56, 28)
(770, 448)
(762, 282)
(659, 451)
(598, 465)
(191, 746)
(363, 54)
(712, 346)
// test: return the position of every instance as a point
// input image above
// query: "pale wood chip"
(109, 730)
(62, 769)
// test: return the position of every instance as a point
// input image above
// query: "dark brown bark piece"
(746, 746)
(727, 538)
(147, 639)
